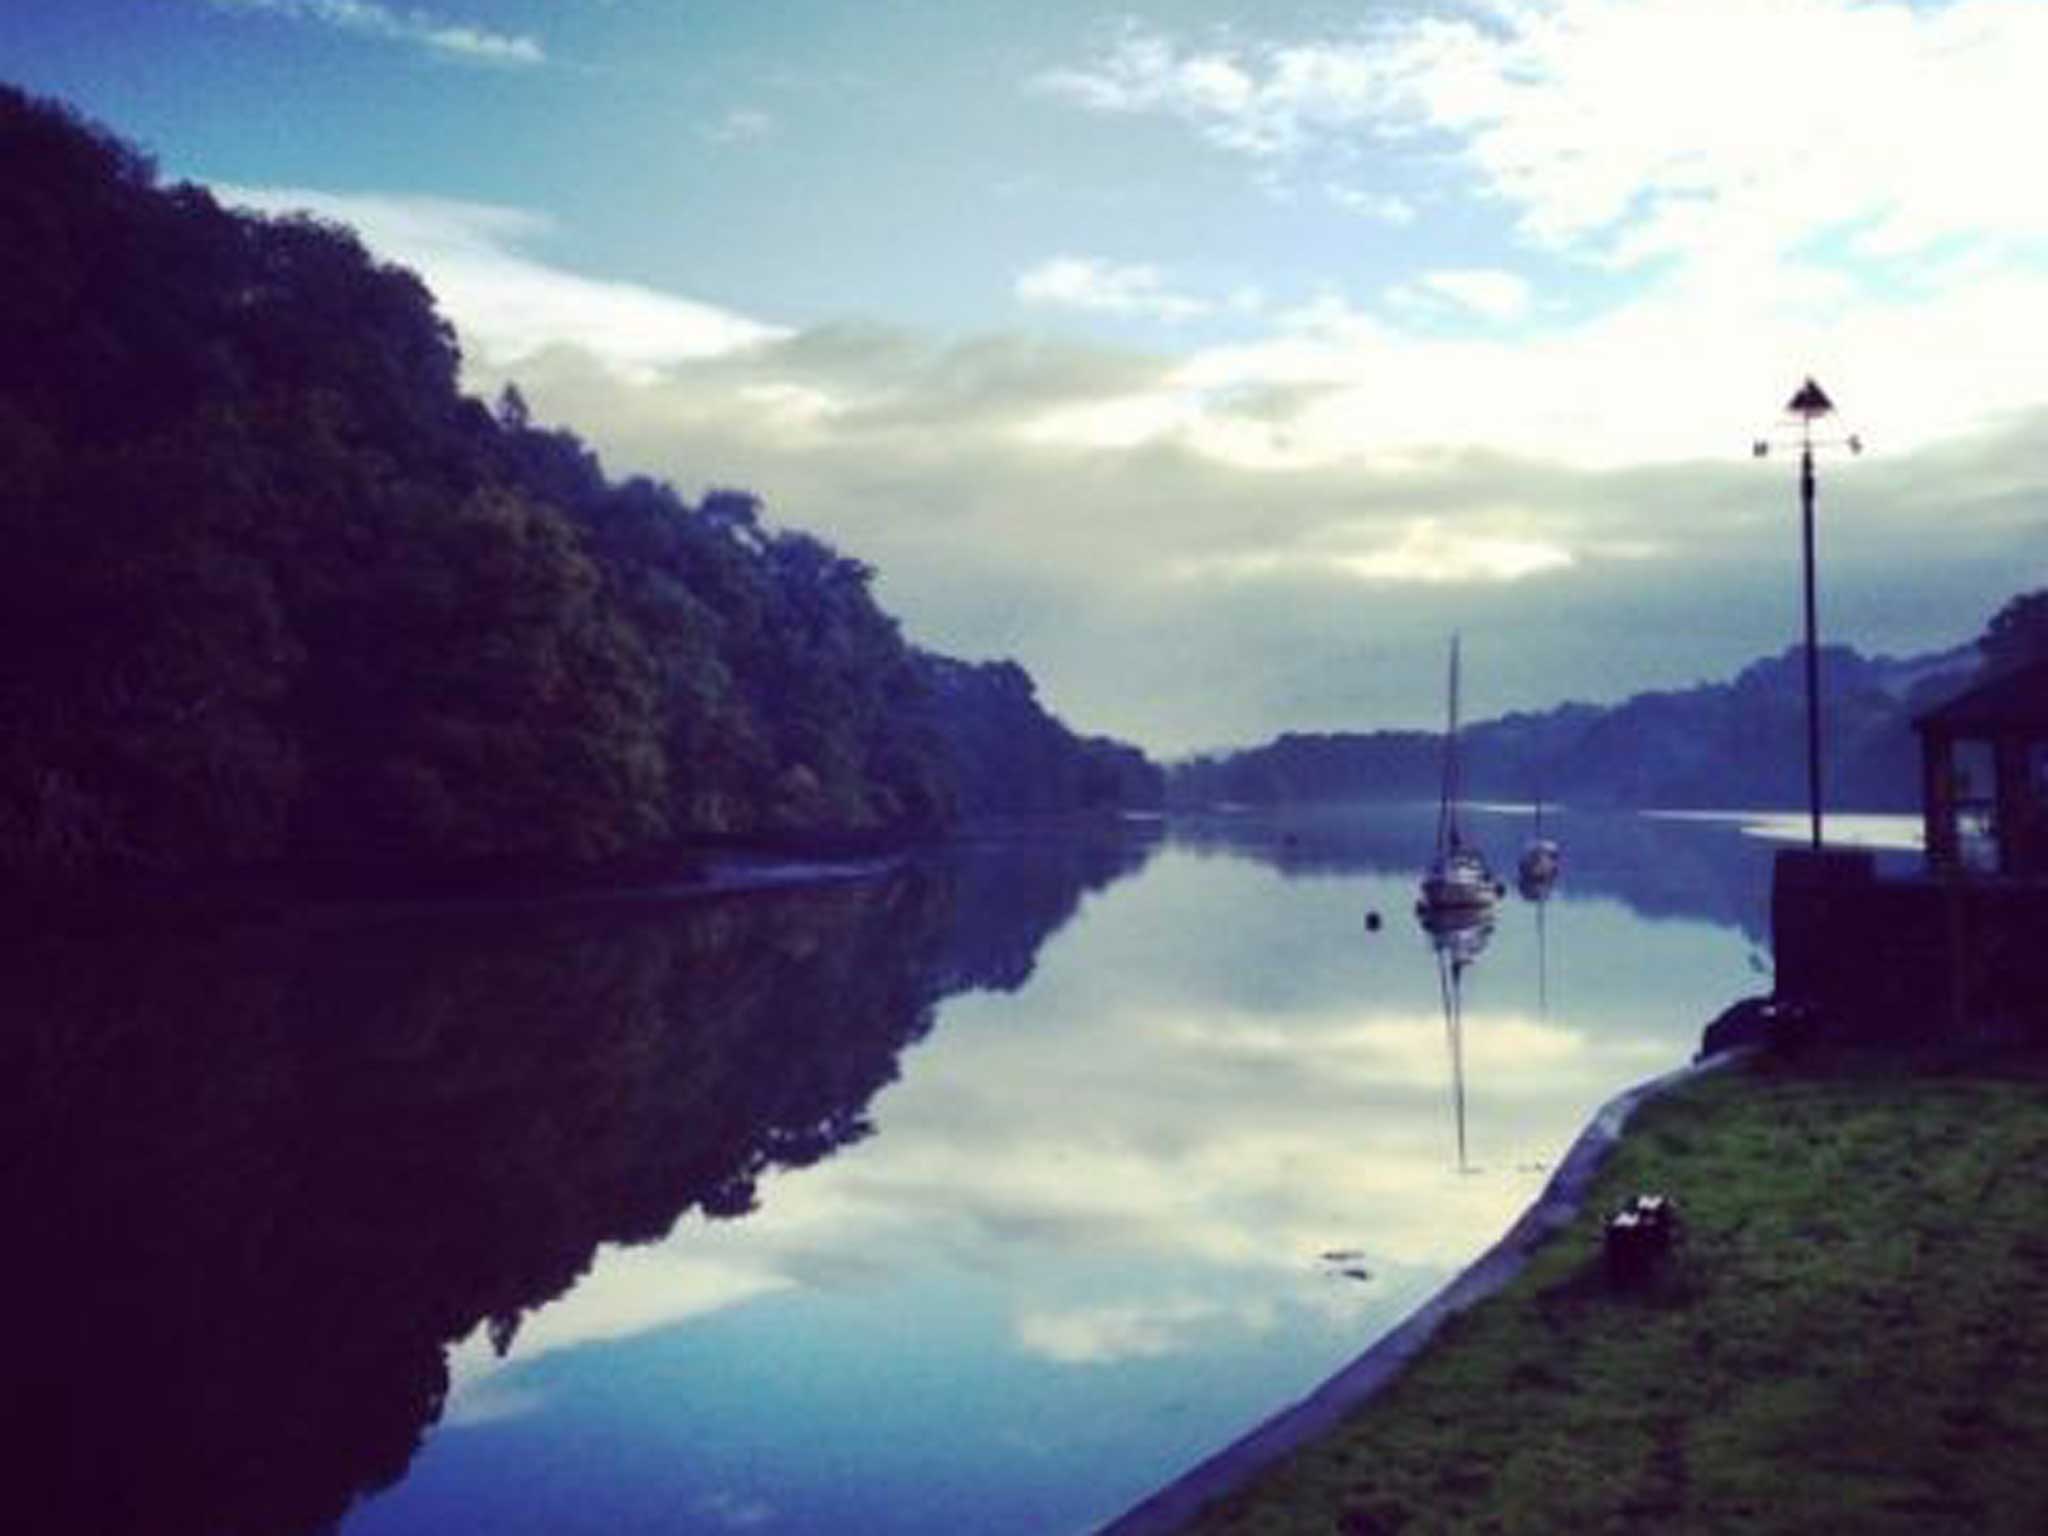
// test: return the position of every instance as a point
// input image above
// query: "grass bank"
(1853, 1336)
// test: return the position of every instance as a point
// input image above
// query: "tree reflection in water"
(258, 1183)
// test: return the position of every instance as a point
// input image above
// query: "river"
(985, 1195)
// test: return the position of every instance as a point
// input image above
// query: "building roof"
(2018, 698)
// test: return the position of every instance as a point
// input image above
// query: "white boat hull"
(1461, 882)
(1455, 894)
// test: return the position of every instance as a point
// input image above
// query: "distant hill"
(1735, 743)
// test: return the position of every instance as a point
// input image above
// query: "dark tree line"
(278, 594)
(1715, 745)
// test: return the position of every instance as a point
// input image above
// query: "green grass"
(1853, 1337)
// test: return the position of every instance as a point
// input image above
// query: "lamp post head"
(1795, 429)
(1811, 402)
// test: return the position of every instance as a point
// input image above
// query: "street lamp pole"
(1808, 406)
(1812, 640)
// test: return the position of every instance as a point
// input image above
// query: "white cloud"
(1262, 102)
(511, 306)
(488, 1400)
(1147, 1330)
(1111, 288)
(1693, 366)
(742, 125)
(1627, 129)
(793, 405)
(1489, 293)
(1425, 551)
(629, 1291)
(1383, 206)
(369, 19)
(1754, 191)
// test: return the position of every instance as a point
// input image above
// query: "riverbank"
(1852, 1337)
(682, 871)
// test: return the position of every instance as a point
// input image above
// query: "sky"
(1215, 361)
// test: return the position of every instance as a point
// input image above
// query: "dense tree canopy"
(2017, 634)
(279, 594)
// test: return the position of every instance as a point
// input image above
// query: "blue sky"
(1213, 360)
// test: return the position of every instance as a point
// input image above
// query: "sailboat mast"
(1447, 814)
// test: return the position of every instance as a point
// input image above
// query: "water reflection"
(1661, 868)
(1458, 937)
(1055, 1181)
(1105, 1223)
(1661, 864)
(1536, 883)
(258, 1183)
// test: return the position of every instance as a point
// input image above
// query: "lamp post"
(1809, 405)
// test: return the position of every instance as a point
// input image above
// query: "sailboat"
(1458, 878)
(1537, 870)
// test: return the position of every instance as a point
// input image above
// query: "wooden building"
(1984, 778)
(1957, 951)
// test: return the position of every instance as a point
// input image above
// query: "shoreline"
(686, 872)
(222, 906)
(1356, 1383)
(720, 875)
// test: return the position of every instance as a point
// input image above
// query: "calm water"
(986, 1196)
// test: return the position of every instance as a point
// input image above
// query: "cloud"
(1177, 543)
(1383, 206)
(630, 1291)
(1737, 218)
(1489, 293)
(488, 1400)
(1177, 549)
(1262, 104)
(1624, 130)
(1134, 1160)
(1079, 282)
(366, 18)
(509, 305)
(742, 125)
(1106, 1335)
(1425, 551)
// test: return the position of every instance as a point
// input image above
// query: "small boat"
(1458, 878)
(1537, 870)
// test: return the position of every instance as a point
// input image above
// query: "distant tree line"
(1716, 745)
(277, 593)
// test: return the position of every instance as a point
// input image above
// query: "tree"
(278, 593)
(2017, 633)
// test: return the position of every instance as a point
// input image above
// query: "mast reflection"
(1536, 883)
(1458, 937)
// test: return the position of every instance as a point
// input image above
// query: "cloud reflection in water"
(1132, 1170)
